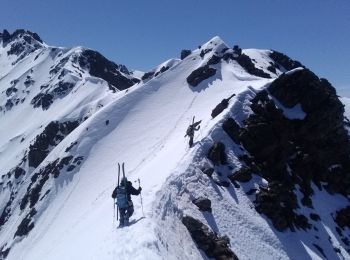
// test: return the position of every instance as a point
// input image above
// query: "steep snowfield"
(144, 126)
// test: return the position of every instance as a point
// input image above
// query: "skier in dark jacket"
(128, 209)
(190, 131)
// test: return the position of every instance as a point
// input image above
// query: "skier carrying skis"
(123, 194)
(191, 129)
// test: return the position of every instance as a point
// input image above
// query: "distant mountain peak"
(26, 35)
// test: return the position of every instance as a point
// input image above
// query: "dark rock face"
(343, 217)
(5, 35)
(208, 171)
(204, 51)
(100, 67)
(27, 35)
(249, 66)
(213, 60)
(163, 69)
(40, 178)
(272, 68)
(4, 252)
(220, 107)
(16, 49)
(203, 204)
(284, 60)
(26, 224)
(302, 87)
(244, 174)
(237, 50)
(287, 152)
(6, 211)
(11, 90)
(18, 171)
(9, 104)
(22, 43)
(315, 217)
(278, 203)
(200, 74)
(231, 127)
(185, 53)
(63, 88)
(42, 100)
(217, 154)
(147, 75)
(214, 246)
(53, 134)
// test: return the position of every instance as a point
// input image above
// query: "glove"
(140, 189)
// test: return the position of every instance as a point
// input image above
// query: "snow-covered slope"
(56, 203)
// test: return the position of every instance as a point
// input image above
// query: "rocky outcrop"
(26, 225)
(42, 176)
(283, 60)
(100, 67)
(248, 65)
(162, 69)
(278, 203)
(53, 134)
(221, 106)
(214, 246)
(28, 36)
(148, 75)
(21, 43)
(289, 152)
(200, 74)
(185, 53)
(244, 174)
(43, 100)
(213, 60)
(343, 217)
(217, 153)
(231, 127)
(203, 204)
(4, 252)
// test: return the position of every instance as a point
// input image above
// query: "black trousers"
(191, 140)
(125, 214)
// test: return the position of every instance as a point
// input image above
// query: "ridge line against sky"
(143, 34)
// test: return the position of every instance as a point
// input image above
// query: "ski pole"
(141, 198)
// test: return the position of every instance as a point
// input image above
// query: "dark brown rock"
(217, 154)
(103, 68)
(244, 174)
(185, 53)
(343, 217)
(213, 60)
(203, 204)
(221, 106)
(284, 60)
(231, 127)
(200, 74)
(249, 66)
(214, 246)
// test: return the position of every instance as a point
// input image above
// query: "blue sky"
(141, 34)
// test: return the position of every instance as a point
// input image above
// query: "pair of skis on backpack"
(122, 197)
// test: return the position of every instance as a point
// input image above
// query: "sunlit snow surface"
(146, 129)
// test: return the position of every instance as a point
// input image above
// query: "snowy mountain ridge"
(73, 115)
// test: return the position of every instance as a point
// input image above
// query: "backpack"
(190, 130)
(122, 197)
